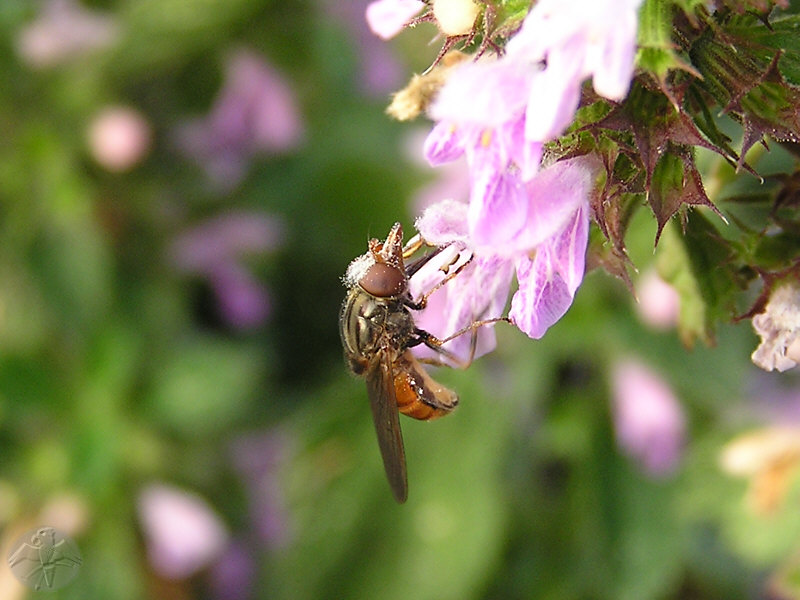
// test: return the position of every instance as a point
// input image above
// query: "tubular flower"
(576, 40)
(545, 249)
(516, 104)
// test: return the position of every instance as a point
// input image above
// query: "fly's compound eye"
(383, 281)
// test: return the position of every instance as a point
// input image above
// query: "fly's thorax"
(374, 315)
(368, 324)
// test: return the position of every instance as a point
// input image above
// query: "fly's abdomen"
(418, 394)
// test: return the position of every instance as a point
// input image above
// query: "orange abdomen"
(418, 394)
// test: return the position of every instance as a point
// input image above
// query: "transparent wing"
(382, 400)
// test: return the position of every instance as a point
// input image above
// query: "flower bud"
(119, 138)
(649, 419)
(659, 303)
(455, 17)
(182, 532)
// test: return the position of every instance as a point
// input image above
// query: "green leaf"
(656, 50)
(674, 267)
(204, 386)
(675, 182)
(783, 34)
(701, 267)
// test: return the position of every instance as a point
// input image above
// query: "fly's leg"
(415, 266)
(473, 327)
(414, 244)
(435, 344)
(423, 301)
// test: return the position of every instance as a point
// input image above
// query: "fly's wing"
(382, 400)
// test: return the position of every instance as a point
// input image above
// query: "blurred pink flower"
(233, 576)
(64, 30)
(119, 137)
(659, 303)
(243, 301)
(182, 532)
(255, 112)
(386, 18)
(649, 419)
(380, 71)
(215, 250)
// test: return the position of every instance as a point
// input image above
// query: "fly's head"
(381, 271)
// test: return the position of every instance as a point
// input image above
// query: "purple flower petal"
(568, 249)
(554, 97)
(386, 18)
(443, 144)
(233, 576)
(542, 298)
(244, 303)
(612, 62)
(497, 93)
(498, 209)
(649, 419)
(555, 194)
(225, 237)
(254, 112)
(214, 250)
(478, 292)
(444, 223)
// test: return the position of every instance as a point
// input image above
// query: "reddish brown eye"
(383, 281)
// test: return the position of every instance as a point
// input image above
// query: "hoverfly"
(378, 331)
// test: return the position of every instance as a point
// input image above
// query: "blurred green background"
(182, 184)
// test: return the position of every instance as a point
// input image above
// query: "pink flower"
(545, 247)
(234, 575)
(182, 532)
(548, 282)
(255, 112)
(215, 250)
(386, 18)
(380, 71)
(649, 419)
(575, 40)
(659, 304)
(499, 113)
(64, 30)
(258, 457)
(119, 137)
(488, 128)
(537, 82)
(480, 291)
(449, 181)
